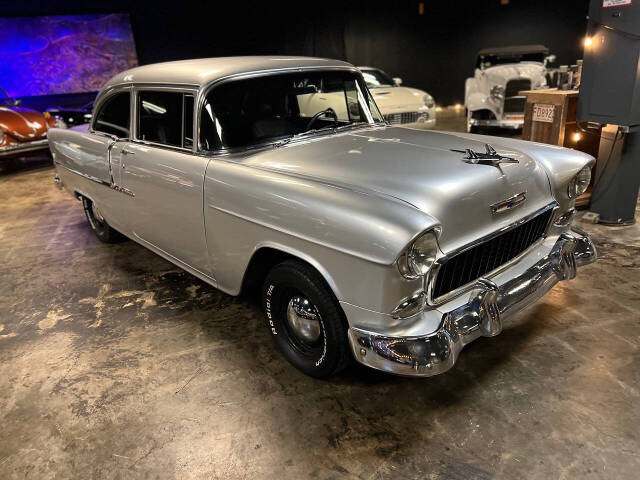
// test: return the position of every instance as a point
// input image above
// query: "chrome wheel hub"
(303, 319)
(96, 212)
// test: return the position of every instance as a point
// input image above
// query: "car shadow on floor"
(215, 313)
(25, 164)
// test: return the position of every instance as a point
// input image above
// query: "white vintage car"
(393, 246)
(399, 105)
(492, 97)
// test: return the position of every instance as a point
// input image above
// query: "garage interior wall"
(434, 51)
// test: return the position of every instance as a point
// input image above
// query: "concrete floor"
(116, 364)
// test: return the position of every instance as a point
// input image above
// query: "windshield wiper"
(310, 133)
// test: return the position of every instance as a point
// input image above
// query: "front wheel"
(99, 225)
(305, 319)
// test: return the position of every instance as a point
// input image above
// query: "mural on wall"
(63, 54)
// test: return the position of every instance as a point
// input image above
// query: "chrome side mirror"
(397, 81)
(549, 59)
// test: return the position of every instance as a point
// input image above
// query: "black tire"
(99, 225)
(328, 354)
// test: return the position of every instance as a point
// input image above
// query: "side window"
(160, 117)
(113, 116)
(187, 122)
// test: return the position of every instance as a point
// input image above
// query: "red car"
(22, 129)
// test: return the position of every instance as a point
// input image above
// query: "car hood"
(515, 70)
(419, 168)
(23, 124)
(398, 99)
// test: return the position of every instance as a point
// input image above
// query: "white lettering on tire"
(268, 309)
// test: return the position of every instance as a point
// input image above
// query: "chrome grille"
(515, 105)
(405, 117)
(513, 102)
(469, 265)
(517, 85)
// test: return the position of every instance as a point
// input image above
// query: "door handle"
(127, 152)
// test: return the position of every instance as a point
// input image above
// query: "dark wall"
(434, 51)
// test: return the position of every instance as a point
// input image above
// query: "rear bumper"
(14, 149)
(489, 308)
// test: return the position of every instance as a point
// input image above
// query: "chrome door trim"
(433, 273)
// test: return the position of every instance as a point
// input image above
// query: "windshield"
(267, 109)
(377, 79)
(486, 61)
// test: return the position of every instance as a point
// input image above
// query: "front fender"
(353, 238)
(479, 101)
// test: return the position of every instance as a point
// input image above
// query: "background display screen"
(63, 54)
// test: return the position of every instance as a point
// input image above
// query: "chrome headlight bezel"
(59, 123)
(420, 255)
(497, 92)
(1, 136)
(580, 182)
(428, 101)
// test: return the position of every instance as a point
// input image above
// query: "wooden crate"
(562, 128)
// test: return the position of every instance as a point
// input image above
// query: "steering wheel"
(329, 112)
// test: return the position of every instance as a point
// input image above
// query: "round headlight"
(428, 101)
(420, 256)
(497, 92)
(578, 185)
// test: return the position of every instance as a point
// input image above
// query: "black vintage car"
(73, 115)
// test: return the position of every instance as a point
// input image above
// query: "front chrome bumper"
(489, 307)
(512, 124)
(14, 149)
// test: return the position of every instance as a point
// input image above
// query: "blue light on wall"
(63, 54)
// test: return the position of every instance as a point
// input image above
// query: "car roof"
(514, 50)
(201, 71)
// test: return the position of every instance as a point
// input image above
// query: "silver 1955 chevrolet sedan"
(393, 246)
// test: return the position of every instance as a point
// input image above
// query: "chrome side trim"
(433, 273)
(97, 180)
(23, 147)
(488, 309)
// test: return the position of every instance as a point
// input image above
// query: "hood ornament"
(489, 157)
